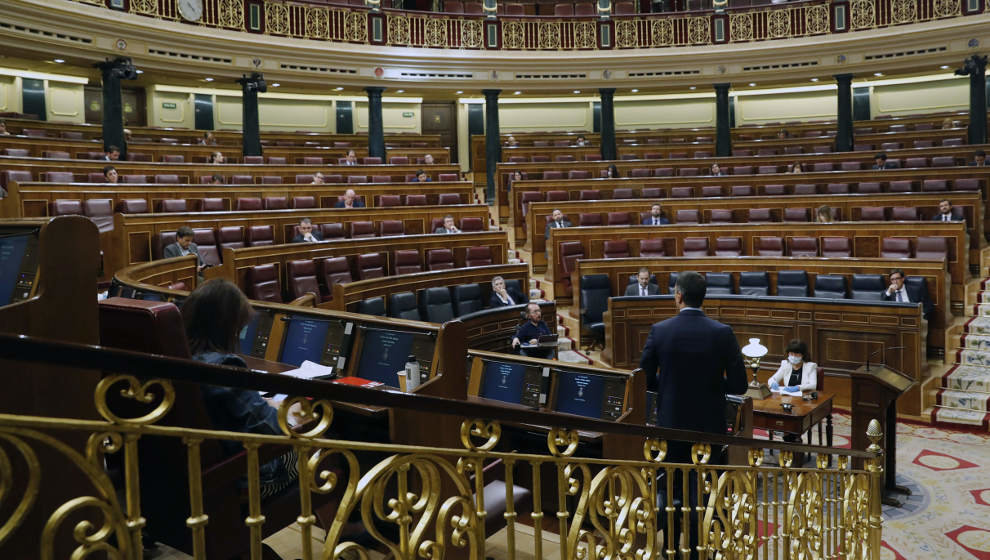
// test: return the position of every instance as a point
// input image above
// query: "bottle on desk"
(412, 373)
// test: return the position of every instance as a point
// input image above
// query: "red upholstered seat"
(588, 219)
(687, 216)
(720, 216)
(415, 200)
(652, 192)
(370, 265)
(333, 178)
(804, 188)
(895, 248)
(769, 247)
(837, 188)
(590, 194)
(584, 9)
(695, 247)
(332, 231)
(758, 215)
(742, 170)
(929, 247)
(206, 241)
(248, 204)
(172, 205)
(563, 157)
(836, 247)
(916, 162)
(254, 159)
(449, 199)
(472, 223)
(361, 229)
(389, 200)
(741, 190)
(909, 213)
(132, 206)
(681, 192)
(381, 178)
(688, 172)
(652, 248)
(173, 158)
(966, 185)
(579, 174)
(639, 172)
(263, 283)
(618, 219)
(887, 146)
(943, 161)
(301, 279)
(822, 166)
(711, 190)
(276, 160)
(241, 180)
(274, 203)
(663, 172)
(407, 261)
(133, 178)
(357, 178)
(478, 256)
(795, 214)
(231, 237)
(555, 196)
(260, 235)
(303, 202)
(774, 190)
(64, 207)
(442, 177)
(439, 259)
(802, 246)
(540, 158)
(518, 159)
(728, 246)
(97, 207)
(592, 157)
(391, 227)
(17, 152)
(57, 176)
(623, 193)
(270, 180)
(930, 185)
(55, 154)
(312, 160)
(872, 213)
(952, 142)
(766, 169)
(868, 187)
(616, 249)
(211, 205)
(133, 156)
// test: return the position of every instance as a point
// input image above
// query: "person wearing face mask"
(797, 373)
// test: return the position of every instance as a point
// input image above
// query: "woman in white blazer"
(797, 360)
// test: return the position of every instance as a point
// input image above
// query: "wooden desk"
(768, 414)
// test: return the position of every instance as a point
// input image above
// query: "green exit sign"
(168, 105)
(408, 114)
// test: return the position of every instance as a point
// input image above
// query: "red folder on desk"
(359, 382)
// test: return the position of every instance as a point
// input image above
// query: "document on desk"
(784, 393)
(307, 370)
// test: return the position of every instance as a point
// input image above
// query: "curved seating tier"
(132, 239)
(760, 209)
(866, 241)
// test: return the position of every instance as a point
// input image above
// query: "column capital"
(722, 87)
(491, 92)
(606, 91)
(843, 77)
(374, 90)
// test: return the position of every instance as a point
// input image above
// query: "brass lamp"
(753, 352)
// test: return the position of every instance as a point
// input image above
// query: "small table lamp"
(753, 352)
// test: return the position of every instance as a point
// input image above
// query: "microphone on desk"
(884, 350)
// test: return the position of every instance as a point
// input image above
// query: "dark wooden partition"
(492, 329)
(841, 335)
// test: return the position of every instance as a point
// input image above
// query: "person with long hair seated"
(214, 314)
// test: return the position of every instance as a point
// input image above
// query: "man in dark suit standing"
(557, 220)
(656, 217)
(643, 286)
(915, 293)
(699, 362)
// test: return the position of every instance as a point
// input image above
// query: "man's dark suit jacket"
(517, 299)
(552, 224)
(954, 218)
(357, 204)
(648, 221)
(299, 238)
(692, 353)
(173, 250)
(887, 165)
(916, 294)
(441, 229)
(633, 289)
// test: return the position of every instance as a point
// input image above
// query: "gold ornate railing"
(349, 24)
(417, 501)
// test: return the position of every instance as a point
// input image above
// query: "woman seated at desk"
(796, 373)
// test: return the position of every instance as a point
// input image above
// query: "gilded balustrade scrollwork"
(424, 502)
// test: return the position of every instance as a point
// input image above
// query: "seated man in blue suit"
(699, 361)
(656, 217)
(899, 291)
(350, 200)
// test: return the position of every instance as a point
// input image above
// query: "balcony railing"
(354, 24)
(414, 501)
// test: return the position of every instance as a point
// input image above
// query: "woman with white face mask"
(797, 373)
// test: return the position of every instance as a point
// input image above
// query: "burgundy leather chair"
(868, 187)
(478, 256)
(172, 205)
(361, 229)
(270, 180)
(587, 219)
(173, 158)
(132, 206)
(931, 185)
(663, 172)
(248, 204)
(253, 160)
(909, 213)
(389, 200)
(65, 207)
(407, 261)
(260, 236)
(472, 224)
(695, 247)
(836, 247)
(332, 231)
(381, 178)
(837, 188)
(802, 246)
(804, 188)
(276, 160)
(391, 227)
(570, 252)
(374, 160)
(55, 154)
(274, 203)
(774, 190)
(711, 190)
(553, 175)
(652, 248)
(769, 247)
(263, 284)
(370, 265)
(301, 279)
(399, 160)
(681, 192)
(720, 216)
(895, 248)
(231, 237)
(303, 202)
(241, 180)
(206, 240)
(590, 194)
(333, 271)
(687, 216)
(741, 190)
(415, 200)
(357, 178)
(728, 246)
(616, 249)
(872, 213)
(557, 196)
(439, 259)
(312, 160)
(931, 247)
(622, 194)
(579, 174)
(795, 214)
(133, 179)
(618, 219)
(758, 216)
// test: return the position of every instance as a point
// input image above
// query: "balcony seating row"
(754, 216)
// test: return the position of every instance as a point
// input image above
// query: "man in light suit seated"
(642, 287)
(184, 246)
(797, 373)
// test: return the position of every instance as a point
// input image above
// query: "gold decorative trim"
(276, 17)
(398, 29)
(699, 31)
(862, 14)
(548, 35)
(472, 34)
(741, 27)
(230, 14)
(903, 11)
(585, 35)
(317, 23)
(626, 34)
(816, 19)
(513, 35)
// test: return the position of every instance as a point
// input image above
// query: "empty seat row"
(320, 275)
(436, 305)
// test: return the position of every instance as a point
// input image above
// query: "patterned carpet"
(948, 514)
(964, 393)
